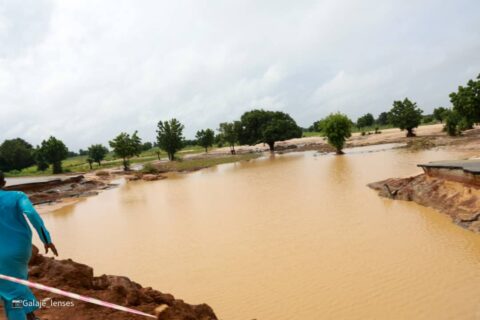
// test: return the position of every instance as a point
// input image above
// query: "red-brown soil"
(78, 278)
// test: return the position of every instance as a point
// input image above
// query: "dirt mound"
(78, 278)
(460, 201)
(58, 189)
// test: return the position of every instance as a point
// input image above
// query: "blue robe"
(16, 249)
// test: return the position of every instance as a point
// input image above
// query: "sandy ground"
(427, 136)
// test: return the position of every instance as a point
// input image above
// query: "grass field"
(195, 164)
(79, 163)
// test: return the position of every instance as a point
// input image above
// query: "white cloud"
(85, 70)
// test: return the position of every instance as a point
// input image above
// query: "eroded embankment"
(78, 278)
(460, 201)
(54, 190)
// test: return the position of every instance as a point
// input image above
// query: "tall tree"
(405, 115)
(366, 120)
(53, 151)
(229, 133)
(440, 113)
(205, 138)
(466, 101)
(40, 160)
(382, 119)
(337, 129)
(97, 153)
(268, 127)
(126, 146)
(170, 137)
(16, 154)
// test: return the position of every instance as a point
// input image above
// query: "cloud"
(86, 70)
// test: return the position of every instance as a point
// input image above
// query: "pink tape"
(75, 296)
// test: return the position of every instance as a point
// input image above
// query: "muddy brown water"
(295, 236)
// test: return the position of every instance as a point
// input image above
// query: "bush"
(338, 127)
(452, 121)
(465, 124)
(149, 168)
(428, 118)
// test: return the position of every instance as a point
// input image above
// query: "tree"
(229, 133)
(440, 114)
(466, 101)
(267, 127)
(40, 160)
(157, 152)
(338, 128)
(405, 115)
(452, 122)
(317, 126)
(16, 154)
(170, 137)
(365, 121)
(126, 146)
(53, 151)
(90, 162)
(97, 153)
(205, 138)
(219, 141)
(147, 146)
(382, 119)
(428, 118)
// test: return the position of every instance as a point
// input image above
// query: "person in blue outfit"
(16, 249)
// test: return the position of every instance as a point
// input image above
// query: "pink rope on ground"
(75, 296)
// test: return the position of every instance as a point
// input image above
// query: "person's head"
(2, 180)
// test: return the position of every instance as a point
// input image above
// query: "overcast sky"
(86, 70)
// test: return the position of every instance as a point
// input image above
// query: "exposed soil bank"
(78, 278)
(54, 190)
(459, 200)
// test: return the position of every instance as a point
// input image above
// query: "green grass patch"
(200, 163)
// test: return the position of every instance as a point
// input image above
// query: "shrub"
(338, 127)
(149, 168)
(452, 121)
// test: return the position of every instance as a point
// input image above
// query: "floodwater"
(294, 236)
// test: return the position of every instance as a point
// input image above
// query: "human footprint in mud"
(16, 249)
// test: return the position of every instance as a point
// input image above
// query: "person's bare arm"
(52, 247)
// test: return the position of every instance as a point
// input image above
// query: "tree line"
(406, 115)
(254, 126)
